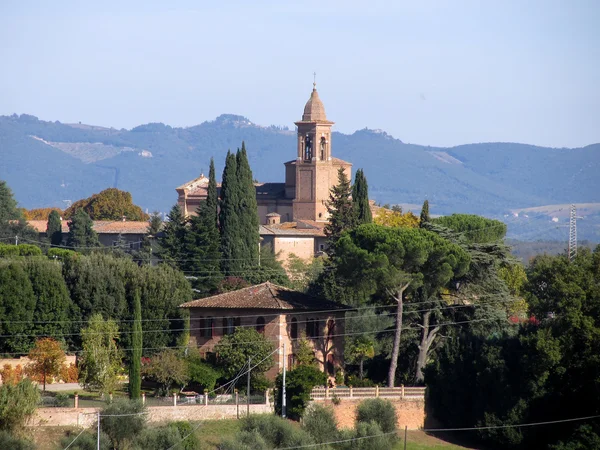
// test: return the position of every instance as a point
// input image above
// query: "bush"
(277, 432)
(69, 374)
(186, 429)
(299, 384)
(246, 440)
(86, 441)
(61, 400)
(60, 253)
(17, 404)
(156, 438)
(320, 423)
(9, 250)
(8, 441)
(118, 427)
(202, 374)
(357, 382)
(379, 411)
(374, 438)
(29, 250)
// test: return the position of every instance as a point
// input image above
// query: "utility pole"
(17, 240)
(248, 390)
(98, 440)
(573, 234)
(283, 400)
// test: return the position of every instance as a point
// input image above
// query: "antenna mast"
(573, 234)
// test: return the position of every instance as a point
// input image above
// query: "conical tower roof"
(314, 111)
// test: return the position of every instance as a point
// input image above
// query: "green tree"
(391, 262)
(230, 221)
(54, 228)
(303, 273)
(122, 421)
(110, 204)
(17, 404)
(360, 199)
(167, 368)
(47, 358)
(81, 235)
(299, 384)
(12, 223)
(17, 306)
(235, 349)
(101, 358)
(203, 240)
(339, 207)
(362, 348)
(474, 229)
(135, 365)
(247, 210)
(173, 239)
(424, 218)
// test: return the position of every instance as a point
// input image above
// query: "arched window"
(260, 325)
(202, 327)
(308, 148)
(323, 144)
(294, 328)
(310, 328)
(228, 325)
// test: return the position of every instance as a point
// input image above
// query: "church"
(292, 214)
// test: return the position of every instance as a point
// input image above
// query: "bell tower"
(316, 170)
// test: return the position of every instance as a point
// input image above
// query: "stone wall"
(86, 417)
(411, 412)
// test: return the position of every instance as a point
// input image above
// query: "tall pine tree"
(203, 241)
(172, 241)
(424, 214)
(360, 199)
(54, 228)
(135, 365)
(82, 236)
(341, 214)
(229, 220)
(248, 210)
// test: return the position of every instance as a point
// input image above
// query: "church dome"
(314, 111)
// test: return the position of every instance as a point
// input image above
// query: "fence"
(402, 392)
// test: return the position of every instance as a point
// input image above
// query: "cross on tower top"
(314, 80)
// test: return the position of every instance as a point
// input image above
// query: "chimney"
(273, 218)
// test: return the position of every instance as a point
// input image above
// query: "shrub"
(62, 400)
(8, 441)
(379, 411)
(17, 404)
(29, 250)
(185, 429)
(60, 253)
(9, 250)
(121, 428)
(86, 441)
(202, 374)
(299, 384)
(11, 375)
(320, 423)
(277, 432)
(69, 374)
(374, 438)
(246, 440)
(157, 438)
(357, 382)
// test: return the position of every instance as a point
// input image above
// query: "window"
(291, 362)
(323, 143)
(294, 328)
(210, 327)
(228, 325)
(260, 325)
(202, 327)
(237, 322)
(312, 328)
(307, 148)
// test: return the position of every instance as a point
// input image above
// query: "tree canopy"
(110, 204)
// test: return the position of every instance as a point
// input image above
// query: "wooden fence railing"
(409, 392)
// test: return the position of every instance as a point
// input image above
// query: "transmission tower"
(573, 234)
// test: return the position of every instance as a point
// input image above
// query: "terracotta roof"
(100, 226)
(290, 229)
(264, 296)
(273, 214)
(314, 110)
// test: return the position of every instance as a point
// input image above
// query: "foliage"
(47, 358)
(17, 305)
(424, 217)
(156, 438)
(101, 359)
(173, 238)
(12, 222)
(235, 349)
(299, 384)
(82, 236)
(275, 431)
(379, 411)
(12, 442)
(368, 436)
(361, 348)
(247, 210)
(135, 365)
(60, 253)
(62, 400)
(304, 353)
(390, 218)
(41, 213)
(360, 199)
(11, 375)
(202, 374)
(19, 250)
(85, 441)
(303, 273)
(167, 368)
(69, 374)
(229, 220)
(270, 269)
(229, 284)
(339, 207)
(186, 431)
(110, 204)
(475, 229)
(54, 228)
(17, 404)
(319, 421)
(122, 420)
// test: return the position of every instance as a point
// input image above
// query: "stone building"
(284, 316)
(292, 213)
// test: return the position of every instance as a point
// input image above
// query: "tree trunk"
(399, 297)
(360, 368)
(44, 376)
(427, 338)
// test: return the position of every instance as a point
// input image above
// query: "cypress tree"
(229, 221)
(54, 228)
(247, 210)
(135, 367)
(341, 214)
(81, 233)
(360, 198)
(202, 240)
(424, 214)
(172, 241)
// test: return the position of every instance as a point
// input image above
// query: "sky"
(438, 73)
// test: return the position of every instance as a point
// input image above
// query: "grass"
(212, 432)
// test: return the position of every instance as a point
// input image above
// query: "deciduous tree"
(110, 204)
(47, 358)
(167, 368)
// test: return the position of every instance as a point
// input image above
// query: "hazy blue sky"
(427, 72)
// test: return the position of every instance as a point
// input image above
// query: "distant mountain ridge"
(47, 163)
